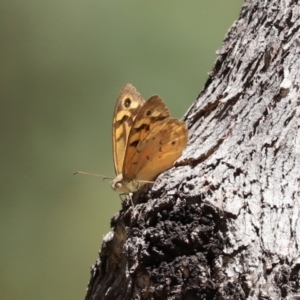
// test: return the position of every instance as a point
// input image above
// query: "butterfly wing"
(153, 111)
(128, 105)
(154, 143)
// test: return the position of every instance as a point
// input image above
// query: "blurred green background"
(63, 64)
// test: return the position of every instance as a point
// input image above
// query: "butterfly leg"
(131, 200)
(129, 195)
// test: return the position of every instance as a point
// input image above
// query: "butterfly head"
(123, 186)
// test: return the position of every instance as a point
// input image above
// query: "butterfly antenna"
(92, 174)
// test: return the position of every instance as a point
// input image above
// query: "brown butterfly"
(146, 140)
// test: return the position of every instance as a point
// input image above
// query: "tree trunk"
(224, 223)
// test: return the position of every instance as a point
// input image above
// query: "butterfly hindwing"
(158, 151)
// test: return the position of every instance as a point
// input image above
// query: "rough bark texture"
(226, 225)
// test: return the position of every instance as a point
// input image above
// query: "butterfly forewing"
(153, 111)
(128, 105)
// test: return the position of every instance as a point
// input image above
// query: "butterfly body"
(119, 184)
(146, 140)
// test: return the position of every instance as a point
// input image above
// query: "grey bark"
(224, 223)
